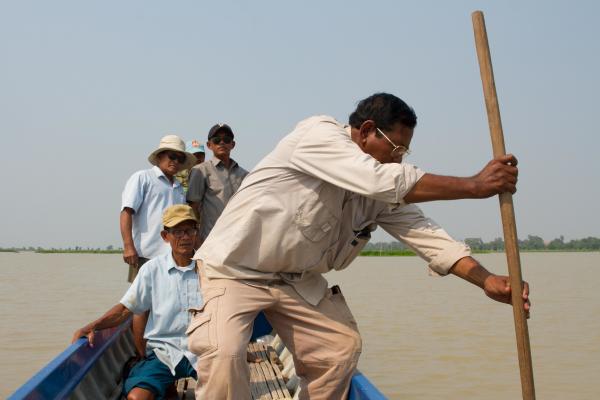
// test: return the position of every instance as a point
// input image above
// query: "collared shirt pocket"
(214, 184)
(314, 219)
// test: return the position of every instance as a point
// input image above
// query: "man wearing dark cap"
(212, 183)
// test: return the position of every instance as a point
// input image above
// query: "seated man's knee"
(140, 394)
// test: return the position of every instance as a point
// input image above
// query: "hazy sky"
(88, 88)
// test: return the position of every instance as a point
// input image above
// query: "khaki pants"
(323, 339)
(134, 269)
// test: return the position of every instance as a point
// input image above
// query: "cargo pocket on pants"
(202, 331)
(199, 336)
(338, 300)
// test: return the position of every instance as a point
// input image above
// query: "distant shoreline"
(59, 251)
(63, 251)
(408, 253)
(366, 253)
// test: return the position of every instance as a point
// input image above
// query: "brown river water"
(423, 337)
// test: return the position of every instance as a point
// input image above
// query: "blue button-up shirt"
(148, 193)
(168, 291)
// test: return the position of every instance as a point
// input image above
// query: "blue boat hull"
(81, 370)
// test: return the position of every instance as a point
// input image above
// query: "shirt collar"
(348, 130)
(172, 264)
(158, 172)
(215, 161)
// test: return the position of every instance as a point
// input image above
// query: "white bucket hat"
(173, 142)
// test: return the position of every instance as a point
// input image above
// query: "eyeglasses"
(174, 156)
(179, 233)
(219, 139)
(397, 150)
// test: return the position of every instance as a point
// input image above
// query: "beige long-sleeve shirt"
(307, 208)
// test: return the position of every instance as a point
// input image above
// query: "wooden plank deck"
(266, 380)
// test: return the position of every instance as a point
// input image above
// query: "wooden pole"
(506, 207)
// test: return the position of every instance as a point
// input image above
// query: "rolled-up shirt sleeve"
(138, 298)
(326, 151)
(196, 185)
(409, 225)
(133, 193)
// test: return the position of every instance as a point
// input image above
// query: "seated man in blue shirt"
(167, 287)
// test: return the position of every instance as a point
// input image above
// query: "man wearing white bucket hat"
(146, 195)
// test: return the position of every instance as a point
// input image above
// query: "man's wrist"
(471, 187)
(471, 270)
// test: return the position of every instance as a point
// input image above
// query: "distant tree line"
(110, 249)
(537, 243)
(532, 243)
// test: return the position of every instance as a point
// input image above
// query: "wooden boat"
(83, 372)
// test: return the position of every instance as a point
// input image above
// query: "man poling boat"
(307, 208)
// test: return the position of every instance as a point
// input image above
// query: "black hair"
(385, 110)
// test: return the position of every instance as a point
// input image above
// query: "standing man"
(212, 183)
(146, 195)
(197, 149)
(307, 208)
(166, 288)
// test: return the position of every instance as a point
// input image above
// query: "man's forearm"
(196, 207)
(126, 224)
(139, 326)
(113, 317)
(498, 176)
(470, 270)
(438, 187)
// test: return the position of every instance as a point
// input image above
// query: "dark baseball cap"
(220, 128)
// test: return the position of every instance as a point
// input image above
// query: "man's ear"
(365, 128)
(163, 235)
(232, 144)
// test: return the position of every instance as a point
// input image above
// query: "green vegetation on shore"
(531, 244)
(387, 253)
(536, 243)
(82, 251)
(75, 250)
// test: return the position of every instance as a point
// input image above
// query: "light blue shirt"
(149, 192)
(168, 291)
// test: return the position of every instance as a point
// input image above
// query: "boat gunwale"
(60, 377)
(69, 367)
